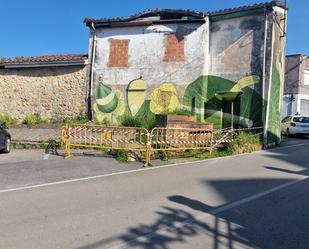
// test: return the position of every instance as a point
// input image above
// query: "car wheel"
(7, 148)
(288, 133)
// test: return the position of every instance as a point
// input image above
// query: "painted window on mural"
(306, 77)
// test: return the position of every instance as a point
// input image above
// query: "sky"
(44, 27)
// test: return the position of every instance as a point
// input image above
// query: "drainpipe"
(90, 90)
(264, 76)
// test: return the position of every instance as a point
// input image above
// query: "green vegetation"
(8, 120)
(82, 119)
(130, 121)
(147, 123)
(121, 156)
(244, 143)
(182, 112)
(33, 119)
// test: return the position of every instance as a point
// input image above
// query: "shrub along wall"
(52, 92)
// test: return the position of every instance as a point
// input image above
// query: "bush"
(164, 156)
(82, 119)
(33, 119)
(149, 123)
(244, 143)
(131, 121)
(182, 112)
(121, 156)
(6, 119)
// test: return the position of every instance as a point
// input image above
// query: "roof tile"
(45, 58)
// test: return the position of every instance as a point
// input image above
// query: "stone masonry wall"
(53, 92)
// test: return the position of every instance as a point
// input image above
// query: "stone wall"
(53, 92)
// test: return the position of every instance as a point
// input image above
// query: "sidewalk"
(38, 134)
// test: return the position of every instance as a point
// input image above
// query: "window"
(286, 119)
(301, 119)
(304, 107)
(306, 77)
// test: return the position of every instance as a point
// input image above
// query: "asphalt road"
(258, 200)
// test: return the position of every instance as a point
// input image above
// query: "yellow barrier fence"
(103, 137)
(140, 140)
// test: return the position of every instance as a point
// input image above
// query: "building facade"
(227, 67)
(53, 86)
(296, 86)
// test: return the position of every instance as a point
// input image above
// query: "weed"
(131, 121)
(121, 156)
(182, 112)
(8, 120)
(244, 143)
(33, 119)
(82, 119)
(164, 156)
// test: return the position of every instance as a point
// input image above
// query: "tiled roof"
(248, 7)
(180, 14)
(45, 59)
(163, 13)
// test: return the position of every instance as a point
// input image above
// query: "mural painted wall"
(152, 83)
(274, 103)
(219, 77)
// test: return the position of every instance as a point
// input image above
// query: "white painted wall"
(146, 53)
(292, 107)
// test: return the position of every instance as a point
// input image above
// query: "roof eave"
(43, 64)
(102, 24)
(248, 8)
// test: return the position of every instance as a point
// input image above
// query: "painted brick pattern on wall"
(118, 54)
(174, 50)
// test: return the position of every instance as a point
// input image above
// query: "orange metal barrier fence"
(139, 139)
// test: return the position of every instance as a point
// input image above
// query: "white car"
(295, 125)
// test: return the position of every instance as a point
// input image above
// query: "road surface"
(257, 200)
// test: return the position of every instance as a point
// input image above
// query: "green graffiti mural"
(213, 98)
(108, 104)
(274, 124)
(164, 99)
(274, 102)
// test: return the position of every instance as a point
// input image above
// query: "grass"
(121, 156)
(82, 119)
(33, 119)
(182, 112)
(244, 143)
(8, 120)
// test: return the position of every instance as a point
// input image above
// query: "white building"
(296, 87)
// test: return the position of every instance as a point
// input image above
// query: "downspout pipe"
(91, 75)
(264, 63)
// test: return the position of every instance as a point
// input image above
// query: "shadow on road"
(250, 225)
(275, 221)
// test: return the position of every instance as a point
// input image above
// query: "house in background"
(227, 66)
(296, 85)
